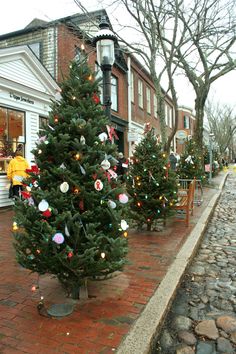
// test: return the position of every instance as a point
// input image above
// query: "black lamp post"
(105, 43)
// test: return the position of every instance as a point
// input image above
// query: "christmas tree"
(151, 182)
(191, 162)
(70, 221)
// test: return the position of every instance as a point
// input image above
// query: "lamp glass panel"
(105, 52)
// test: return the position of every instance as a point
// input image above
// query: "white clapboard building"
(26, 91)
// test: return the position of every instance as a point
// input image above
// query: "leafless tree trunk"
(197, 36)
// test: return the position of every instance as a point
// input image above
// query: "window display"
(12, 133)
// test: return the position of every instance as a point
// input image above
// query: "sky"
(16, 14)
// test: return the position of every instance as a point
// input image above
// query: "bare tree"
(222, 123)
(207, 50)
(197, 36)
(159, 57)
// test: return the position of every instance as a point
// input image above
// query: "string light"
(76, 190)
(125, 234)
(103, 255)
(15, 226)
(78, 156)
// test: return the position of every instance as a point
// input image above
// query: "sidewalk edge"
(141, 336)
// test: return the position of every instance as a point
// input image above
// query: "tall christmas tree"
(191, 162)
(151, 182)
(70, 222)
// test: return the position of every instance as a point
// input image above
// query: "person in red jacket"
(16, 172)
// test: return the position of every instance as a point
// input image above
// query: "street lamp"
(211, 135)
(105, 42)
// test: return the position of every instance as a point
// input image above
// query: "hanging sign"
(181, 134)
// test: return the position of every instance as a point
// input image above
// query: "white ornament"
(98, 185)
(43, 205)
(105, 164)
(63, 166)
(124, 225)
(113, 173)
(111, 204)
(189, 159)
(67, 233)
(64, 187)
(82, 140)
(123, 198)
(103, 136)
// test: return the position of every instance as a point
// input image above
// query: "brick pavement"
(99, 324)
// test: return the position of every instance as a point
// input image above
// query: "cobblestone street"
(202, 317)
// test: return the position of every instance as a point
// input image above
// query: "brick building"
(58, 42)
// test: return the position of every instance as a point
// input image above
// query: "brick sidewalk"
(99, 324)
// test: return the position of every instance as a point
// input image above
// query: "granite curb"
(140, 338)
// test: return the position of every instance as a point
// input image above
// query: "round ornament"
(123, 198)
(58, 238)
(98, 185)
(105, 164)
(111, 204)
(124, 225)
(103, 136)
(43, 205)
(64, 187)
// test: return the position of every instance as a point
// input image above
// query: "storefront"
(26, 91)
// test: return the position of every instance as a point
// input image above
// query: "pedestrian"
(122, 166)
(16, 172)
(173, 161)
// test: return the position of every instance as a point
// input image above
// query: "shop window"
(12, 134)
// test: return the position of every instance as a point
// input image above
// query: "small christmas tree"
(5, 146)
(151, 182)
(191, 162)
(69, 222)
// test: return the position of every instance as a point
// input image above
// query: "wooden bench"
(186, 202)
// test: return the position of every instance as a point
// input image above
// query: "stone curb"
(141, 336)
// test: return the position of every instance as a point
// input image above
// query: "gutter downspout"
(129, 103)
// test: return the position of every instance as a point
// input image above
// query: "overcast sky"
(16, 14)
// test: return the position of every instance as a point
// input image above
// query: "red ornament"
(47, 213)
(96, 99)
(81, 204)
(70, 254)
(34, 169)
(25, 195)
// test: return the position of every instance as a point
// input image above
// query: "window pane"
(148, 95)
(35, 47)
(114, 99)
(3, 122)
(140, 93)
(15, 125)
(43, 121)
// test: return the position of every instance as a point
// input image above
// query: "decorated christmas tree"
(151, 182)
(70, 221)
(191, 162)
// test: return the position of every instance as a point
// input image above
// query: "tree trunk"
(199, 109)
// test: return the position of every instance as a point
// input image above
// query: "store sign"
(20, 98)
(132, 137)
(181, 134)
